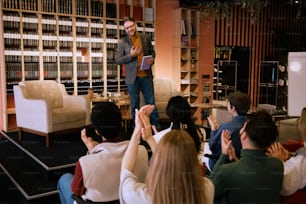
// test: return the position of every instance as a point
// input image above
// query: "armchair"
(44, 108)
(164, 89)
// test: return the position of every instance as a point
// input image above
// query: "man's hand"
(225, 141)
(213, 124)
(88, 141)
(135, 51)
(150, 60)
(227, 147)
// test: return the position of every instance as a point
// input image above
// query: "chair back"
(43, 89)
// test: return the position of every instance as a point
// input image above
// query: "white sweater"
(101, 170)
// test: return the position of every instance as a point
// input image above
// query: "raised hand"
(146, 130)
(226, 141)
(213, 124)
(227, 147)
(88, 141)
(277, 150)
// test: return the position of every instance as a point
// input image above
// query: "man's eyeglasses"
(128, 27)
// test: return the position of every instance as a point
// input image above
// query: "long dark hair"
(180, 114)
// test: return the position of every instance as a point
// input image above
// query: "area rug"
(63, 152)
(30, 179)
(35, 169)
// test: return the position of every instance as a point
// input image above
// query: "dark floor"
(11, 195)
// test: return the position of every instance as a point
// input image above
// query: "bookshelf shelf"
(71, 41)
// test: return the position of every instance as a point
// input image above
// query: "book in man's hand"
(145, 62)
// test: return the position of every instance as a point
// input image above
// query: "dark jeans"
(145, 85)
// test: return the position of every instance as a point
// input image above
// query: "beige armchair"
(44, 108)
(164, 89)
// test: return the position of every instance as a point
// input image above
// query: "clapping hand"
(227, 147)
(213, 124)
(143, 121)
(143, 116)
(88, 141)
(277, 150)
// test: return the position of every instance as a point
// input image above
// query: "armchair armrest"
(29, 111)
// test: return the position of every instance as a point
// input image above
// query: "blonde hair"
(174, 174)
(302, 123)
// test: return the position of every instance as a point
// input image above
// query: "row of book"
(187, 28)
(9, 24)
(47, 28)
(13, 58)
(82, 7)
(25, 4)
(10, 59)
(49, 6)
(31, 59)
(188, 41)
(97, 86)
(65, 6)
(65, 28)
(96, 45)
(12, 43)
(30, 27)
(30, 43)
(82, 30)
(97, 70)
(49, 44)
(80, 44)
(50, 70)
(13, 71)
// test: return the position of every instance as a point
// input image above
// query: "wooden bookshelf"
(71, 41)
(187, 54)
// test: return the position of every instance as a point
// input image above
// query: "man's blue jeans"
(64, 188)
(145, 85)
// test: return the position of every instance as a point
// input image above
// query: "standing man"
(131, 50)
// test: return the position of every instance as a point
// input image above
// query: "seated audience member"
(174, 174)
(97, 174)
(255, 178)
(294, 164)
(180, 116)
(238, 106)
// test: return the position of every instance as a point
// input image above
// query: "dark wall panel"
(271, 37)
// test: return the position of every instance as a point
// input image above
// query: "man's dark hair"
(261, 129)
(241, 101)
(128, 18)
(106, 119)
